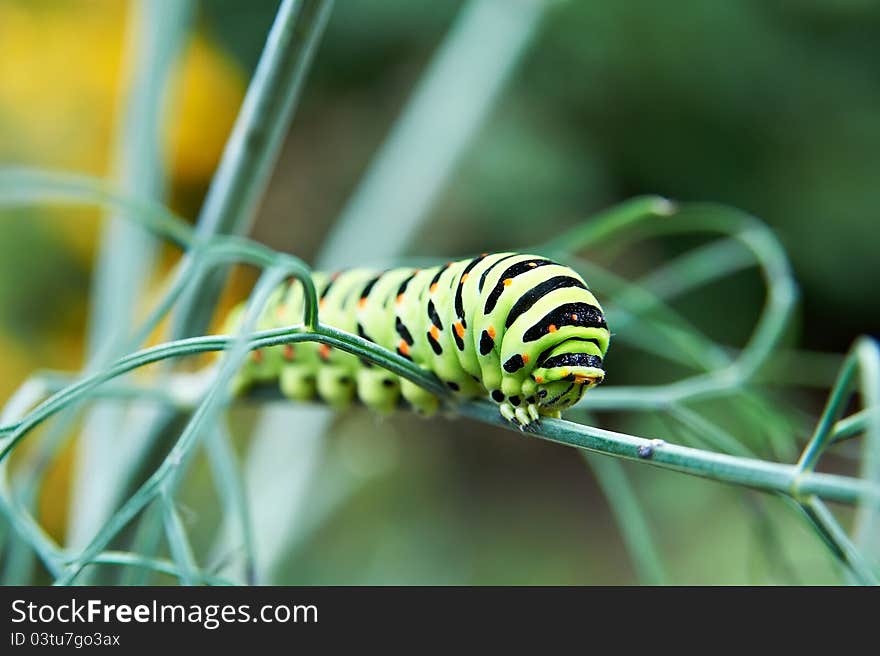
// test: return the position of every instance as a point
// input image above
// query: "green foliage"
(796, 482)
(712, 417)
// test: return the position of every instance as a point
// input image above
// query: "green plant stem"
(863, 360)
(146, 540)
(781, 295)
(253, 147)
(230, 487)
(27, 529)
(136, 561)
(193, 345)
(836, 538)
(164, 479)
(867, 523)
(22, 186)
(610, 222)
(749, 472)
(852, 426)
(668, 334)
(823, 434)
(178, 541)
(157, 30)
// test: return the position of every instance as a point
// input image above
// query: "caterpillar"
(521, 329)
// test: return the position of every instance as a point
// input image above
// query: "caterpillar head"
(565, 372)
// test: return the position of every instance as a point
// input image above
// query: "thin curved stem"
(253, 147)
(748, 472)
(160, 565)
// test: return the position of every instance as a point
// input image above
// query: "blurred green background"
(770, 107)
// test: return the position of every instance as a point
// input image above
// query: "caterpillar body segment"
(521, 329)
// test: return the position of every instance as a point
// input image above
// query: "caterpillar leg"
(297, 382)
(532, 409)
(263, 365)
(260, 367)
(422, 401)
(240, 384)
(378, 389)
(522, 416)
(336, 385)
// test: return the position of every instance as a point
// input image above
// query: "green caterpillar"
(521, 329)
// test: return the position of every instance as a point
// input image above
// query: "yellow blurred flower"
(207, 92)
(60, 72)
